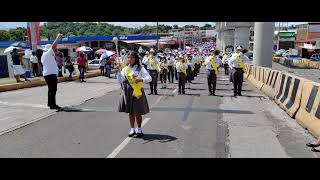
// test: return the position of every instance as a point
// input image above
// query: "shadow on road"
(201, 110)
(71, 109)
(158, 137)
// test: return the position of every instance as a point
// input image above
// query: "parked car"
(94, 64)
(315, 57)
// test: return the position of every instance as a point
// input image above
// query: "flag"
(37, 27)
(29, 34)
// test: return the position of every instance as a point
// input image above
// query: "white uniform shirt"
(225, 60)
(143, 74)
(49, 63)
(33, 59)
(170, 61)
(149, 65)
(233, 63)
(208, 64)
(183, 64)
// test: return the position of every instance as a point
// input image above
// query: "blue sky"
(8, 25)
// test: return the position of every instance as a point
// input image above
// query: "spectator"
(102, 66)
(59, 63)
(34, 61)
(108, 67)
(17, 65)
(70, 67)
(82, 61)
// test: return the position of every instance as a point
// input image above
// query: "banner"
(29, 34)
(37, 27)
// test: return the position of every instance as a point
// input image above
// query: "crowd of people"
(133, 69)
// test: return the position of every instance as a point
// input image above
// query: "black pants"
(176, 74)
(60, 71)
(52, 89)
(153, 83)
(196, 69)
(170, 74)
(35, 69)
(212, 80)
(226, 69)
(231, 75)
(181, 82)
(163, 76)
(237, 74)
(81, 69)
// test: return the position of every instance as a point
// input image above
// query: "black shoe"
(213, 94)
(132, 134)
(234, 94)
(210, 94)
(183, 92)
(56, 107)
(312, 145)
(150, 93)
(156, 93)
(139, 134)
(315, 150)
(239, 94)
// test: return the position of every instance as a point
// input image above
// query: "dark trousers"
(170, 74)
(108, 70)
(81, 69)
(153, 83)
(35, 69)
(237, 74)
(196, 70)
(212, 80)
(52, 89)
(181, 82)
(163, 76)
(226, 69)
(176, 74)
(60, 71)
(231, 75)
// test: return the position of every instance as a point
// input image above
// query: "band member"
(212, 67)
(153, 67)
(134, 100)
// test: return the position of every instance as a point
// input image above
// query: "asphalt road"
(194, 125)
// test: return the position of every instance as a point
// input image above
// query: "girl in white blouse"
(133, 100)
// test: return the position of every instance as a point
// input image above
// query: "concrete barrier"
(308, 114)
(290, 93)
(257, 77)
(272, 82)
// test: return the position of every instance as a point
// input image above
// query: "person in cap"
(190, 70)
(238, 68)
(153, 66)
(170, 63)
(212, 64)
(163, 71)
(181, 67)
(144, 59)
(50, 71)
(133, 101)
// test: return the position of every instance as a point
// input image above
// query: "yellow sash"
(182, 69)
(239, 61)
(135, 86)
(214, 66)
(121, 63)
(163, 67)
(155, 66)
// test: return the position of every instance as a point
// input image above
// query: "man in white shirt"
(153, 66)
(170, 62)
(237, 64)
(34, 61)
(50, 71)
(212, 64)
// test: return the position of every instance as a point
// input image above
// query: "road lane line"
(117, 150)
(124, 143)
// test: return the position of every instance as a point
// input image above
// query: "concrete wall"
(242, 37)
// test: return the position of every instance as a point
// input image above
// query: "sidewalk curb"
(41, 82)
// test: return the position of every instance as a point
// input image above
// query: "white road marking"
(23, 104)
(117, 150)
(5, 118)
